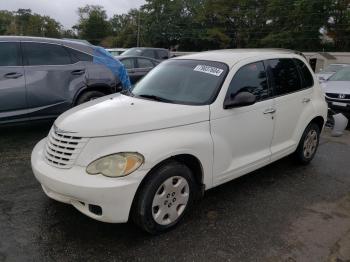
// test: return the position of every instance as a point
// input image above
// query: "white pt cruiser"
(191, 124)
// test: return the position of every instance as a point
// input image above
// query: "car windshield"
(132, 52)
(332, 68)
(342, 75)
(191, 82)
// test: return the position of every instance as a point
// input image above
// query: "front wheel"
(308, 144)
(164, 198)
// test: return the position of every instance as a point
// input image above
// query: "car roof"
(340, 64)
(116, 49)
(122, 57)
(153, 48)
(232, 56)
(81, 46)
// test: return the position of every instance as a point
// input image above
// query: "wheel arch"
(318, 120)
(191, 161)
(104, 88)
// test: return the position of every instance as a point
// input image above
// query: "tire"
(88, 96)
(160, 205)
(308, 144)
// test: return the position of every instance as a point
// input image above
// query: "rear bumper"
(101, 198)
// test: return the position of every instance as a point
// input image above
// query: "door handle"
(13, 75)
(306, 100)
(78, 72)
(270, 111)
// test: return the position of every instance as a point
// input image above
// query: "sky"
(65, 11)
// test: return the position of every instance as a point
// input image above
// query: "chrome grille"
(336, 96)
(62, 149)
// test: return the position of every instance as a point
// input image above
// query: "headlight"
(117, 165)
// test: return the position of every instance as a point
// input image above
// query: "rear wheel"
(308, 144)
(88, 96)
(164, 198)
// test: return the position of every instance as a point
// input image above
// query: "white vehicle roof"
(115, 49)
(340, 64)
(232, 56)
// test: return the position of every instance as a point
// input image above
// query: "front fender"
(156, 146)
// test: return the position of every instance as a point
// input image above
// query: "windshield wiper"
(156, 98)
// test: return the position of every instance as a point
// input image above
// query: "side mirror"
(165, 57)
(239, 100)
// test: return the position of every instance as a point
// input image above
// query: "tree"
(7, 22)
(93, 25)
(23, 22)
(124, 28)
(296, 24)
(338, 24)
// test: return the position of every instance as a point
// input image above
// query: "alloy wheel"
(310, 143)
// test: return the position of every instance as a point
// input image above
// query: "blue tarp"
(103, 57)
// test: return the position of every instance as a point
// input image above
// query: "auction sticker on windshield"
(209, 70)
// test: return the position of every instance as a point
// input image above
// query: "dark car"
(155, 53)
(137, 66)
(41, 77)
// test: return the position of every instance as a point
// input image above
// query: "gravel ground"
(283, 212)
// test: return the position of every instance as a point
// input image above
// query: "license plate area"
(339, 104)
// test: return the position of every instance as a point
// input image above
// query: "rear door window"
(45, 54)
(283, 76)
(307, 79)
(128, 63)
(250, 78)
(144, 63)
(9, 54)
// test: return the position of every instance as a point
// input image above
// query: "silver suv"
(41, 78)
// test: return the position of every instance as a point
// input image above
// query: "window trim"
(269, 89)
(273, 89)
(19, 52)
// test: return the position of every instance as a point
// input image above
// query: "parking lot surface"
(283, 212)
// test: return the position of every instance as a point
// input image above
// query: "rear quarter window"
(77, 56)
(307, 78)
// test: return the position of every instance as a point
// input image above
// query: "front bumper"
(338, 105)
(99, 197)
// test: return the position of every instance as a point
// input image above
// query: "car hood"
(119, 114)
(325, 76)
(336, 87)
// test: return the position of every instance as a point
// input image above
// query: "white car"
(337, 89)
(191, 124)
(330, 70)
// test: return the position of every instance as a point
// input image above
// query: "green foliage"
(197, 25)
(124, 28)
(24, 22)
(93, 25)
